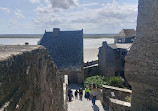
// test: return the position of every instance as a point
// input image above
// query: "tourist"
(87, 92)
(80, 93)
(70, 95)
(76, 94)
(94, 93)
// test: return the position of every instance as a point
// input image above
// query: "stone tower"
(141, 67)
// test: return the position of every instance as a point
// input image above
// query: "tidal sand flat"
(91, 43)
(90, 54)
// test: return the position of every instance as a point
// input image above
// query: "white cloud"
(5, 10)
(110, 18)
(34, 1)
(19, 14)
(47, 9)
(63, 4)
(104, 18)
(88, 4)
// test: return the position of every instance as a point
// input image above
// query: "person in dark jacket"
(70, 95)
(76, 94)
(80, 93)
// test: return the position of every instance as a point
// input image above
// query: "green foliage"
(116, 82)
(128, 99)
(100, 80)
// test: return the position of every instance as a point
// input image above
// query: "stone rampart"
(29, 80)
(115, 93)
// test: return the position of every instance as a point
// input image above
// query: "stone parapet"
(115, 93)
(117, 105)
(29, 80)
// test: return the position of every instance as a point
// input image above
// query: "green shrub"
(100, 80)
(128, 99)
(116, 82)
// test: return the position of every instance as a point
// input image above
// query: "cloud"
(45, 10)
(5, 10)
(19, 14)
(88, 4)
(63, 4)
(111, 16)
(34, 1)
(102, 18)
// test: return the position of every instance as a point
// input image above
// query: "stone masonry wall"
(117, 105)
(106, 61)
(119, 93)
(73, 76)
(90, 71)
(111, 61)
(141, 68)
(29, 80)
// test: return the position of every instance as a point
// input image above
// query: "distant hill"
(87, 36)
(21, 35)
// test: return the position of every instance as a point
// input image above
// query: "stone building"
(111, 59)
(125, 36)
(141, 69)
(66, 50)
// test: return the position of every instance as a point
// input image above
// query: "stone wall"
(73, 76)
(115, 93)
(117, 105)
(91, 71)
(29, 80)
(141, 68)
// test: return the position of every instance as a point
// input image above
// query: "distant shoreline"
(85, 36)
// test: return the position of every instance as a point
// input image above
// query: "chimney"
(56, 31)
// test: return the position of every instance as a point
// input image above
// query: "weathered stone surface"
(142, 60)
(91, 71)
(106, 60)
(117, 105)
(119, 93)
(29, 80)
(111, 60)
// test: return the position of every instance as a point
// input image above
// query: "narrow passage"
(84, 105)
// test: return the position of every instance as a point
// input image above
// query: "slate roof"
(66, 48)
(126, 46)
(127, 33)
